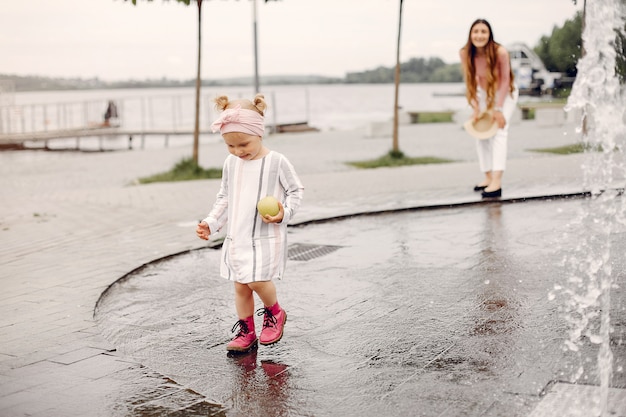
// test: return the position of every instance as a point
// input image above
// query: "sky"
(114, 40)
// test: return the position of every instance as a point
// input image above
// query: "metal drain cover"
(306, 252)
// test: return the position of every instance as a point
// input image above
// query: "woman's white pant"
(492, 152)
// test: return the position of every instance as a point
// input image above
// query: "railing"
(170, 112)
(159, 115)
(162, 112)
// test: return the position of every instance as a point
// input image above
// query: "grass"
(396, 159)
(185, 170)
(562, 93)
(529, 108)
(569, 149)
(432, 117)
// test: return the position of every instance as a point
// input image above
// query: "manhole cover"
(304, 252)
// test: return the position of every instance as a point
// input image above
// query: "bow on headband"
(239, 120)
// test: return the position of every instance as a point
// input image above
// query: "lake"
(326, 107)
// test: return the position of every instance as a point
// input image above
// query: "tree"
(196, 128)
(395, 151)
(563, 48)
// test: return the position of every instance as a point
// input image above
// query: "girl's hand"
(499, 117)
(202, 230)
(275, 219)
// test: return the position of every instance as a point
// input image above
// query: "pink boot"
(245, 339)
(274, 319)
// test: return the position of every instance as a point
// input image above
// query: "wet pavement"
(428, 313)
(439, 305)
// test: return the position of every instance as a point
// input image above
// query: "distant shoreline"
(84, 86)
(432, 70)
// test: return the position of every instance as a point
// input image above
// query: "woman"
(490, 87)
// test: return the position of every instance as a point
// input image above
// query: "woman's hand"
(475, 114)
(275, 219)
(499, 117)
(203, 231)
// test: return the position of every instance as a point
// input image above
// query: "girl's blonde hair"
(259, 105)
(491, 56)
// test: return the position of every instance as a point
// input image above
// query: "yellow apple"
(268, 205)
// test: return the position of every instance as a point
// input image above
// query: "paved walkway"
(73, 223)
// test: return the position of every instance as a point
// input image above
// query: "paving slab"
(72, 224)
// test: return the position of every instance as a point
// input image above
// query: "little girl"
(255, 247)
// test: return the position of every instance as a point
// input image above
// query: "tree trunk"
(396, 146)
(196, 128)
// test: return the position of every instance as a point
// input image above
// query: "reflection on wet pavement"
(427, 313)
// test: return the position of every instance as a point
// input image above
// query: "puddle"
(443, 311)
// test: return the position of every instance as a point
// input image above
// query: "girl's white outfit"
(254, 250)
(492, 152)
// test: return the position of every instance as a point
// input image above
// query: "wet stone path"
(426, 313)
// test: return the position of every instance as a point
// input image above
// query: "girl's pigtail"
(260, 104)
(221, 103)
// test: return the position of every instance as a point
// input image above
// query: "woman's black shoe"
(479, 188)
(492, 194)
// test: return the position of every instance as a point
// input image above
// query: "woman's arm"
(503, 66)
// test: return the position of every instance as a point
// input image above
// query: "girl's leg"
(274, 316)
(245, 338)
(266, 290)
(244, 301)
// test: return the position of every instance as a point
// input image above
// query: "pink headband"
(239, 120)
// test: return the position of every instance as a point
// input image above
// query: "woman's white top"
(254, 250)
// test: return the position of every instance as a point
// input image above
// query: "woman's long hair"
(491, 56)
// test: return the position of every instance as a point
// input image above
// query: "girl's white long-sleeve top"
(254, 250)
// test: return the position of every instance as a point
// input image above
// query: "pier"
(18, 140)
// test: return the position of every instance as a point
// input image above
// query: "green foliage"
(561, 50)
(185, 170)
(569, 149)
(416, 70)
(396, 159)
(449, 74)
(432, 117)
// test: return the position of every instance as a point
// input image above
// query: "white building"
(531, 75)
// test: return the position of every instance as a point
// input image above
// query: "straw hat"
(484, 127)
